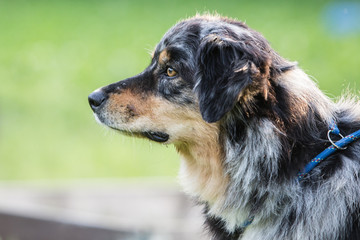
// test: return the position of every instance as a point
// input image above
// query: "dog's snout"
(96, 99)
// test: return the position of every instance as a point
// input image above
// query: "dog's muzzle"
(97, 100)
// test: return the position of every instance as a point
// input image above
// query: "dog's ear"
(224, 71)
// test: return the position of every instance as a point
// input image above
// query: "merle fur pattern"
(273, 120)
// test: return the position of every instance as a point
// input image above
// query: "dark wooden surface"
(17, 227)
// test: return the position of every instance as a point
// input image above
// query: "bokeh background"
(54, 53)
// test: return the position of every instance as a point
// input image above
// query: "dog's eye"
(171, 72)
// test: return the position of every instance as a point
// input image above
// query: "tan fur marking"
(260, 82)
(202, 173)
(128, 105)
(164, 57)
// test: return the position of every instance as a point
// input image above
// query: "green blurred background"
(54, 53)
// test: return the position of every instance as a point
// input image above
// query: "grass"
(54, 53)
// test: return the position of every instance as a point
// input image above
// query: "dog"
(245, 121)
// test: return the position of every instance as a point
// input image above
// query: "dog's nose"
(96, 99)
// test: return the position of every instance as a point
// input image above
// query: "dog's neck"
(201, 173)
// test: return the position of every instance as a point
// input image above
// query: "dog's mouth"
(160, 137)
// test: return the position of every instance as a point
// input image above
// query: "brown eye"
(171, 72)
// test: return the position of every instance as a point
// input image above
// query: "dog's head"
(200, 70)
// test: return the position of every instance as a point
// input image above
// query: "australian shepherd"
(245, 121)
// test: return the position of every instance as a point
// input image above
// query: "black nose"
(96, 99)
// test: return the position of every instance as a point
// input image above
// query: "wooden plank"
(16, 227)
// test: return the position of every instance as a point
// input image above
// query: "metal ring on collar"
(340, 148)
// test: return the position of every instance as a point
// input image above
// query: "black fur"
(221, 78)
(217, 227)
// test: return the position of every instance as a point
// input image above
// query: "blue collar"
(339, 145)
